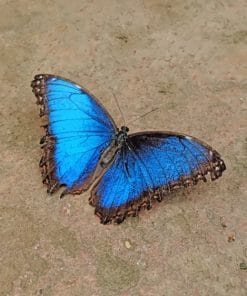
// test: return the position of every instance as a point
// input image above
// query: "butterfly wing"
(148, 166)
(78, 130)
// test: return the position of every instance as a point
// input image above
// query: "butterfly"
(83, 149)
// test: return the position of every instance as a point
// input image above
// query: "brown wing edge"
(213, 168)
(48, 141)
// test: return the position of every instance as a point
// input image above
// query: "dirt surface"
(186, 58)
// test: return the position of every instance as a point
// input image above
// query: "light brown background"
(187, 58)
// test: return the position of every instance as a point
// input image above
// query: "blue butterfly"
(83, 147)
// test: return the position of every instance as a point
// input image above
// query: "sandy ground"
(186, 58)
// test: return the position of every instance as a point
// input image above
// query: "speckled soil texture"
(186, 58)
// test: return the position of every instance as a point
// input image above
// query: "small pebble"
(243, 265)
(231, 238)
(127, 244)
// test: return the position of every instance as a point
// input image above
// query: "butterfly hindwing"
(147, 167)
(78, 130)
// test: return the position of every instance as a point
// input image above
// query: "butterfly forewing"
(78, 130)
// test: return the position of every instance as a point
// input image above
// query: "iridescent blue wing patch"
(147, 167)
(78, 130)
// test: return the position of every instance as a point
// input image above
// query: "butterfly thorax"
(118, 141)
(122, 135)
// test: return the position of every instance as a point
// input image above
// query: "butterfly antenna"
(143, 115)
(120, 111)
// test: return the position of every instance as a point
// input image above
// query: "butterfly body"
(83, 148)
